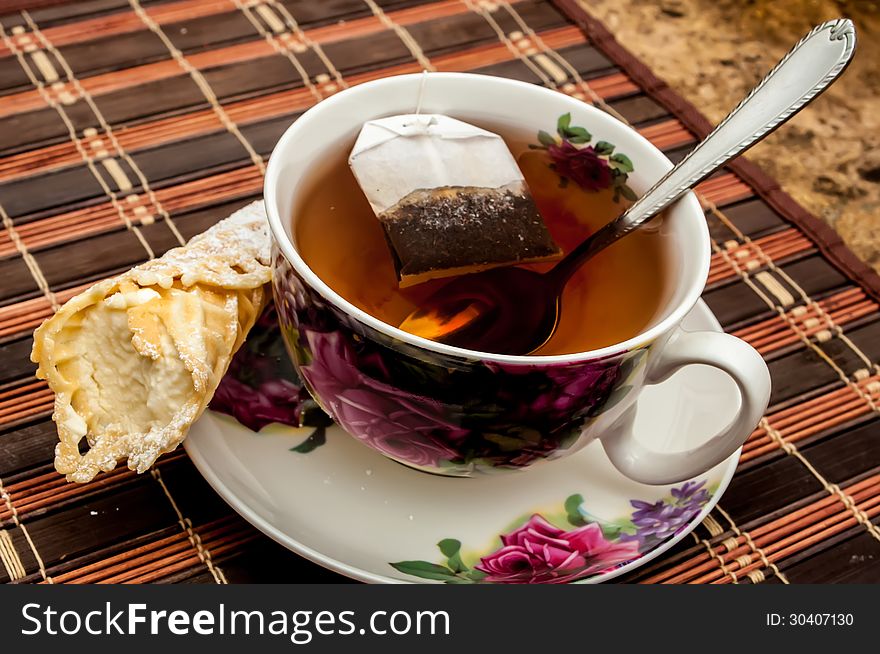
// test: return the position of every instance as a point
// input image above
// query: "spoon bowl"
(511, 310)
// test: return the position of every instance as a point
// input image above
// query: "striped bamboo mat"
(127, 126)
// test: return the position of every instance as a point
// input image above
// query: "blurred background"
(713, 51)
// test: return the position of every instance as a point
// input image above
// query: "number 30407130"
(810, 619)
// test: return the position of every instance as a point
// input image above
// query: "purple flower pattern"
(656, 521)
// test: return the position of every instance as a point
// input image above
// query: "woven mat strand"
(127, 126)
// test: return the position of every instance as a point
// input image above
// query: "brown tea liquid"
(611, 299)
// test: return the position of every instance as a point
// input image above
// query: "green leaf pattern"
(579, 137)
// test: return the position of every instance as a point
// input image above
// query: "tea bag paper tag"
(397, 155)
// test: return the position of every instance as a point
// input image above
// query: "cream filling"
(123, 391)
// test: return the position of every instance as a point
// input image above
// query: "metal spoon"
(515, 311)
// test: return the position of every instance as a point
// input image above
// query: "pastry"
(134, 360)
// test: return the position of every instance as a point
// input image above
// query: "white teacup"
(459, 411)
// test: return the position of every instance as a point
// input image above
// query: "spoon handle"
(807, 70)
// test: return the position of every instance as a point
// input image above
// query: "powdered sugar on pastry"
(134, 360)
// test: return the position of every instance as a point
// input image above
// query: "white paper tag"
(397, 155)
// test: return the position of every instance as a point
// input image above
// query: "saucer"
(575, 520)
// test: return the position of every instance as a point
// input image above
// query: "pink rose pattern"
(261, 386)
(540, 552)
(400, 425)
(583, 165)
(592, 166)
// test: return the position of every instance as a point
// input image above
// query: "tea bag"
(449, 196)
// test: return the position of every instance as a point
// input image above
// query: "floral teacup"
(457, 412)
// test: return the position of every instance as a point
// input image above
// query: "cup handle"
(723, 351)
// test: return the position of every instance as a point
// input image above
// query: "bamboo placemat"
(128, 126)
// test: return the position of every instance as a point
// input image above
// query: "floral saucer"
(573, 520)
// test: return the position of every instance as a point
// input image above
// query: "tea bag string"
(421, 92)
(435, 161)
